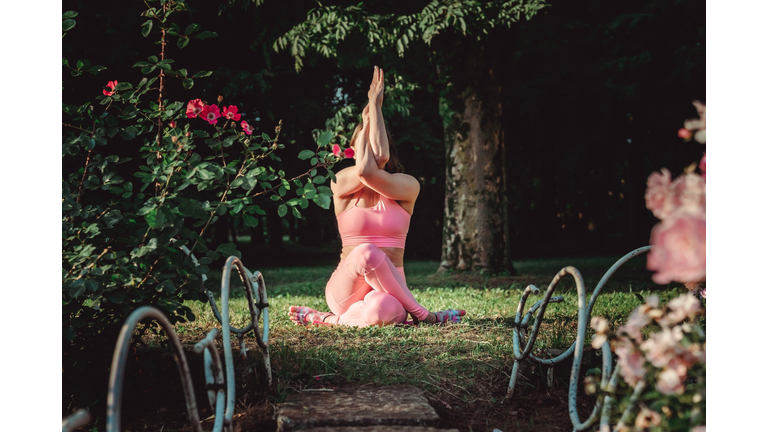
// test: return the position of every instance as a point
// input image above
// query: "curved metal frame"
(117, 371)
(261, 293)
(80, 418)
(577, 348)
(222, 403)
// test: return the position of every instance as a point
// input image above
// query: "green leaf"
(228, 249)
(148, 69)
(324, 201)
(282, 210)
(250, 220)
(192, 28)
(188, 83)
(155, 219)
(265, 136)
(229, 140)
(221, 209)
(324, 138)
(77, 288)
(306, 154)
(207, 34)
(202, 74)
(146, 27)
(96, 69)
(67, 25)
(296, 212)
(126, 135)
(68, 15)
(318, 180)
(181, 43)
(123, 86)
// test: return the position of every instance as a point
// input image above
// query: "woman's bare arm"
(399, 187)
(377, 133)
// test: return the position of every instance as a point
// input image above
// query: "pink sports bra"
(384, 225)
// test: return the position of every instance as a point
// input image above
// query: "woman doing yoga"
(373, 201)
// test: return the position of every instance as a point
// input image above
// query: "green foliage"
(327, 26)
(141, 181)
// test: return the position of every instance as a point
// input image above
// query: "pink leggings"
(367, 289)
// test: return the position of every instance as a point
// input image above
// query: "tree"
(468, 37)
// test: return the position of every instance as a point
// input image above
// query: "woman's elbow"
(381, 159)
(363, 171)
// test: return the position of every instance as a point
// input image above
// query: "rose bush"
(680, 243)
(670, 363)
(668, 367)
(144, 176)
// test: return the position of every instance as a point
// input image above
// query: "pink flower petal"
(336, 150)
(349, 153)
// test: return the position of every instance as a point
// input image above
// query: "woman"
(373, 201)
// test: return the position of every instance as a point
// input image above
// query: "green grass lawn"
(463, 362)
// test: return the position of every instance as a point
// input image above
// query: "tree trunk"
(475, 231)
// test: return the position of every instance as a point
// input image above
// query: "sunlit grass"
(463, 360)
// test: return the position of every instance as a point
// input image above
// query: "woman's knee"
(382, 309)
(368, 256)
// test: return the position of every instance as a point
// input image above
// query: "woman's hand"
(372, 113)
(376, 91)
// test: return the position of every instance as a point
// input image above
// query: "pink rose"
(632, 363)
(231, 113)
(111, 85)
(662, 347)
(680, 308)
(679, 250)
(336, 150)
(669, 382)
(172, 124)
(194, 107)
(684, 133)
(658, 195)
(246, 127)
(600, 325)
(210, 113)
(700, 124)
(690, 190)
(349, 153)
(703, 166)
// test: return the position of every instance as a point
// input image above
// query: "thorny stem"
(85, 170)
(90, 266)
(77, 127)
(322, 165)
(152, 267)
(82, 180)
(160, 91)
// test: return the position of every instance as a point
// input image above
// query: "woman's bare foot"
(445, 316)
(302, 315)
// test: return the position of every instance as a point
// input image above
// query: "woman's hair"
(393, 165)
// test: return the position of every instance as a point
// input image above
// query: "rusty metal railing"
(603, 403)
(222, 402)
